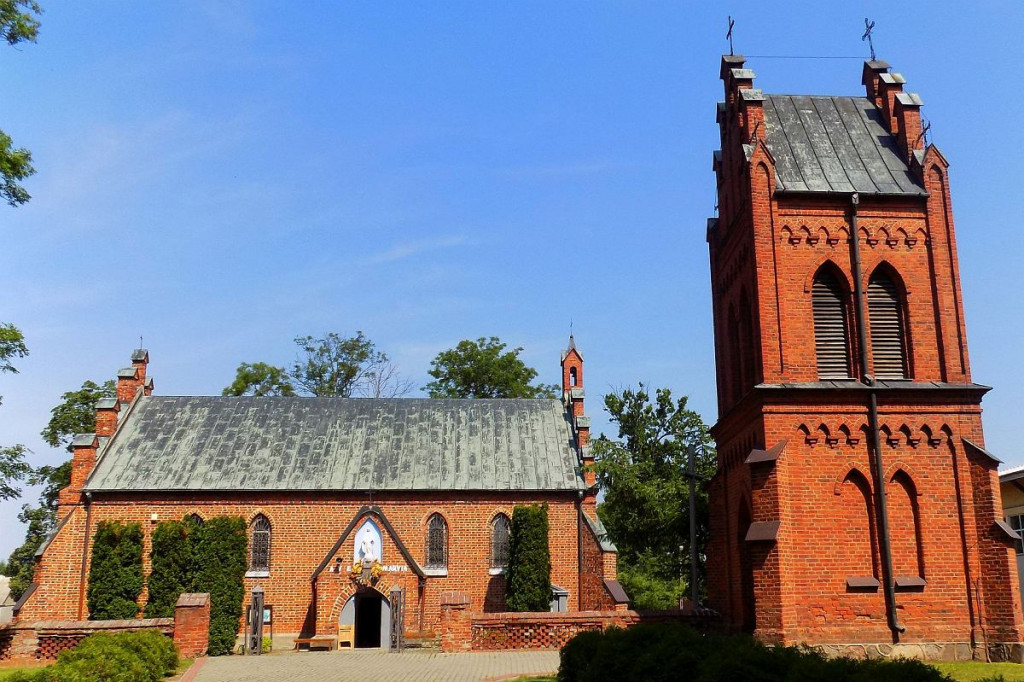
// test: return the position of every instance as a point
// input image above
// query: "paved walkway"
(373, 666)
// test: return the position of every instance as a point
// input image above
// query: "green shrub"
(99, 657)
(169, 575)
(673, 652)
(115, 575)
(154, 649)
(528, 577)
(145, 656)
(37, 675)
(218, 560)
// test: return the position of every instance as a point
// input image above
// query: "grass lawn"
(973, 670)
(961, 672)
(7, 672)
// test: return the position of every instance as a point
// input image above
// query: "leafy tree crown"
(483, 369)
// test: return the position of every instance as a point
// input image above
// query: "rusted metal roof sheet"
(834, 144)
(264, 443)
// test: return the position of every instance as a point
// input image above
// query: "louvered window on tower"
(830, 331)
(885, 315)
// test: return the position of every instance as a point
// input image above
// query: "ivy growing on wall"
(528, 576)
(115, 575)
(191, 556)
(170, 573)
(217, 562)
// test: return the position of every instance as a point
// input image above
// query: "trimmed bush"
(528, 577)
(218, 560)
(674, 652)
(115, 575)
(146, 656)
(154, 649)
(169, 576)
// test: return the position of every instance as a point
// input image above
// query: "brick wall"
(44, 640)
(594, 571)
(507, 631)
(304, 529)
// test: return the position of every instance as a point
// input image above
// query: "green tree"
(260, 379)
(646, 491)
(21, 564)
(75, 414)
(480, 369)
(18, 23)
(13, 467)
(115, 574)
(334, 365)
(528, 576)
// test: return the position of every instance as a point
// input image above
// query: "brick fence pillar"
(456, 625)
(192, 624)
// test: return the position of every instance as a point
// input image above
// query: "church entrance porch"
(370, 613)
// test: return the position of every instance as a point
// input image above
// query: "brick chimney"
(572, 396)
(131, 379)
(106, 416)
(83, 460)
(908, 124)
(890, 85)
(871, 79)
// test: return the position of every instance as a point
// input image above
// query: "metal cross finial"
(868, 27)
(729, 34)
(925, 129)
(140, 340)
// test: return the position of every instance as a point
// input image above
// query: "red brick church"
(855, 505)
(421, 490)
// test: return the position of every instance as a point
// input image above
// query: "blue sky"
(220, 177)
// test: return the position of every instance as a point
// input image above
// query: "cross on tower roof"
(868, 28)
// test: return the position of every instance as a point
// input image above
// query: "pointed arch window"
(500, 530)
(888, 333)
(573, 377)
(831, 334)
(259, 545)
(437, 542)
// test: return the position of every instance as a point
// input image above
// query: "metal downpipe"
(876, 441)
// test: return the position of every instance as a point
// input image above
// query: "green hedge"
(218, 560)
(145, 656)
(673, 652)
(115, 575)
(170, 574)
(528, 576)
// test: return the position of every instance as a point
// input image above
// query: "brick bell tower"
(854, 505)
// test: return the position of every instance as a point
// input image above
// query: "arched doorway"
(370, 613)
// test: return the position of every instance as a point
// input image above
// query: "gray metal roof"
(249, 443)
(834, 144)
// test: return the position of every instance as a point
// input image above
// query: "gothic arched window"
(885, 315)
(831, 345)
(500, 528)
(573, 377)
(259, 547)
(437, 542)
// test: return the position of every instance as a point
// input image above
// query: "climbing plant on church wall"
(528, 577)
(115, 575)
(218, 560)
(170, 562)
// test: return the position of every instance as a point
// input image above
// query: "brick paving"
(373, 666)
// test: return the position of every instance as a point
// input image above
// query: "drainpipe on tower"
(876, 441)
